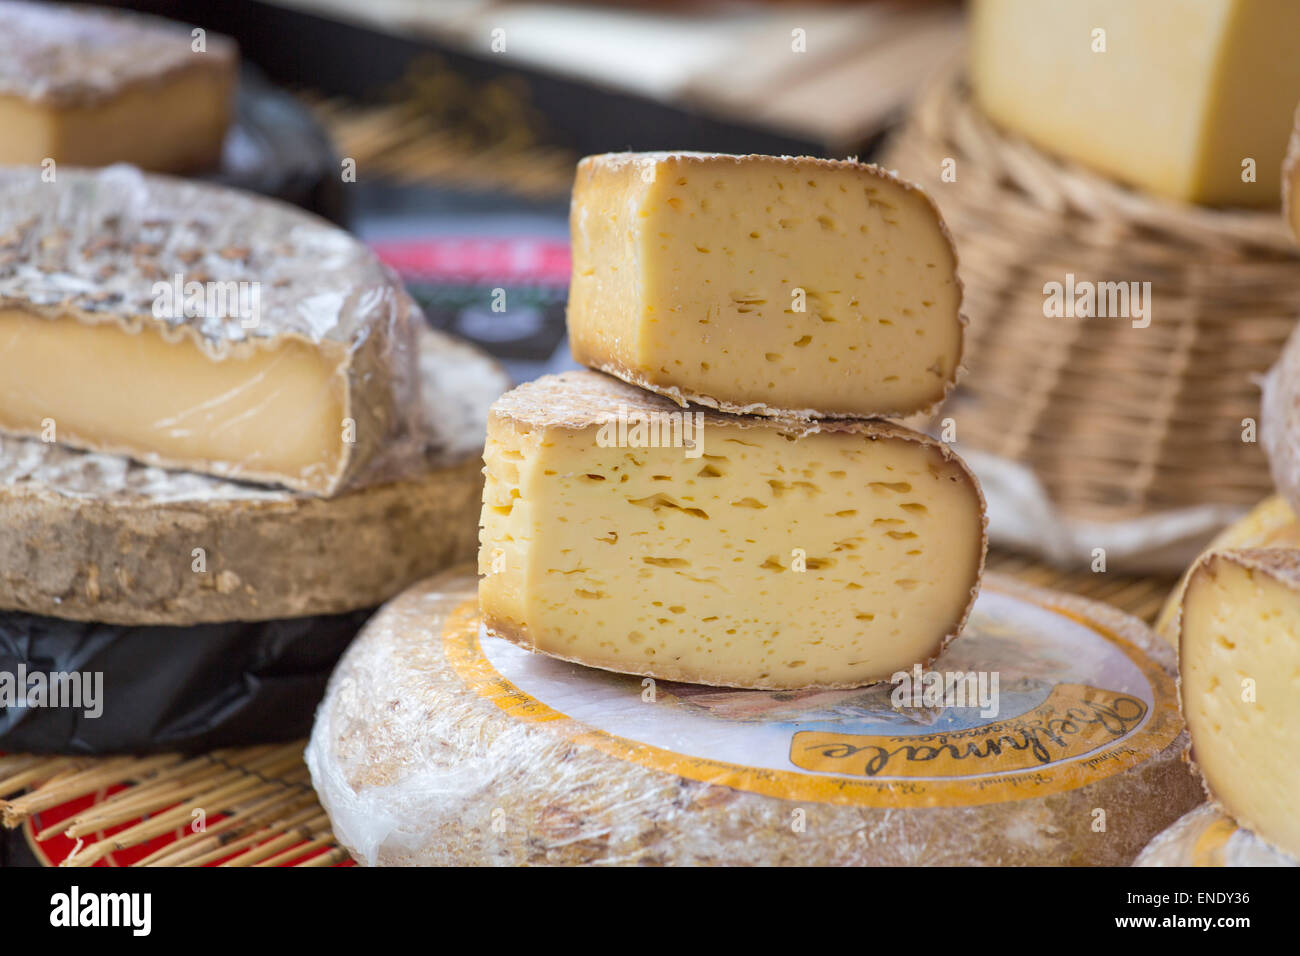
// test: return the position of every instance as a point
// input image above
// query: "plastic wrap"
(1279, 424)
(436, 744)
(166, 688)
(1205, 837)
(94, 247)
(100, 537)
(76, 56)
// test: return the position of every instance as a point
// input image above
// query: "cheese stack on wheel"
(225, 437)
(735, 511)
(88, 87)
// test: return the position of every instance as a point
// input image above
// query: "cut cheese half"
(98, 537)
(87, 87)
(763, 556)
(1239, 660)
(1270, 524)
(764, 284)
(1173, 97)
(197, 327)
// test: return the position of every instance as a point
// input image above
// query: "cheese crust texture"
(832, 556)
(197, 327)
(1239, 662)
(1182, 94)
(761, 284)
(88, 87)
(98, 537)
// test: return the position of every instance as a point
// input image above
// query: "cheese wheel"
(96, 537)
(1205, 837)
(439, 744)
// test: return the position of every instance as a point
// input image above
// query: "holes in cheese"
(760, 557)
(1239, 662)
(763, 284)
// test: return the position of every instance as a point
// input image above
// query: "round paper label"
(1030, 701)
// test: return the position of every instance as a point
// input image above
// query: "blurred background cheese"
(1270, 524)
(1182, 94)
(762, 554)
(499, 756)
(87, 88)
(96, 537)
(191, 326)
(764, 284)
(1239, 661)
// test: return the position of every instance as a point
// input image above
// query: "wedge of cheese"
(762, 284)
(1239, 661)
(197, 327)
(90, 87)
(754, 553)
(1270, 524)
(1167, 95)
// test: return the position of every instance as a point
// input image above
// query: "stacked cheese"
(214, 410)
(1186, 100)
(734, 511)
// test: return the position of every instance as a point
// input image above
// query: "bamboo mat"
(256, 804)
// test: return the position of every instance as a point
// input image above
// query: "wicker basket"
(1116, 423)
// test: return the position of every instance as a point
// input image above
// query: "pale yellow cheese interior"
(175, 125)
(270, 411)
(644, 560)
(795, 285)
(1184, 92)
(1240, 624)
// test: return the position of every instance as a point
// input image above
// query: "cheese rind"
(1181, 96)
(97, 537)
(1239, 663)
(761, 284)
(1270, 524)
(88, 87)
(196, 327)
(686, 566)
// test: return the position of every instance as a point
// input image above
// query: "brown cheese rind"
(683, 397)
(98, 537)
(585, 399)
(68, 55)
(92, 245)
(415, 768)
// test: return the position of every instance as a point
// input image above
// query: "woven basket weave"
(1116, 422)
